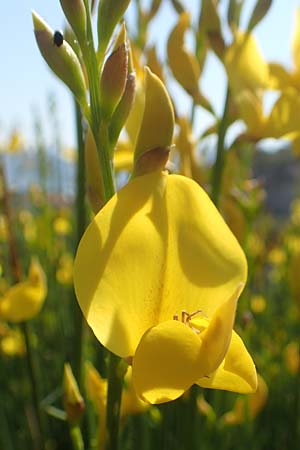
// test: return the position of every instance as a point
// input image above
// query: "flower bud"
(122, 111)
(109, 14)
(156, 132)
(72, 399)
(76, 15)
(113, 78)
(61, 59)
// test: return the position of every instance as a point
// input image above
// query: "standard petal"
(167, 362)
(236, 373)
(118, 270)
(157, 247)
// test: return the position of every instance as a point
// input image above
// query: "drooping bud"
(61, 59)
(72, 399)
(114, 76)
(109, 14)
(76, 15)
(94, 186)
(156, 131)
(184, 64)
(260, 10)
(210, 26)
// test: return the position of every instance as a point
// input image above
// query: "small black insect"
(58, 38)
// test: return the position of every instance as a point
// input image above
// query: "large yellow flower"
(159, 251)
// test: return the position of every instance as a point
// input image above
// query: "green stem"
(116, 371)
(33, 383)
(76, 437)
(81, 224)
(98, 125)
(218, 168)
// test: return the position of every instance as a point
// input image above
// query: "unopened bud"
(113, 79)
(76, 15)
(61, 58)
(122, 111)
(109, 14)
(72, 399)
(157, 126)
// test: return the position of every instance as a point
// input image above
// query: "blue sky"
(26, 81)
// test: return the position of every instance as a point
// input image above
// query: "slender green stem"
(76, 437)
(116, 371)
(34, 383)
(81, 224)
(218, 168)
(98, 125)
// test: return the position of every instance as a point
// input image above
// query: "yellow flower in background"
(11, 341)
(206, 409)
(29, 225)
(281, 78)
(72, 399)
(15, 142)
(250, 109)
(248, 407)
(185, 144)
(64, 272)
(62, 226)
(277, 256)
(3, 228)
(146, 261)
(24, 300)
(258, 304)
(245, 65)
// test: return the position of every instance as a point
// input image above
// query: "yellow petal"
(296, 41)
(237, 371)
(245, 64)
(158, 247)
(167, 362)
(250, 110)
(283, 120)
(280, 78)
(216, 338)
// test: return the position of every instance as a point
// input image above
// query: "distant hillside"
(280, 173)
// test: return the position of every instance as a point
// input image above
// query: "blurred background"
(41, 223)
